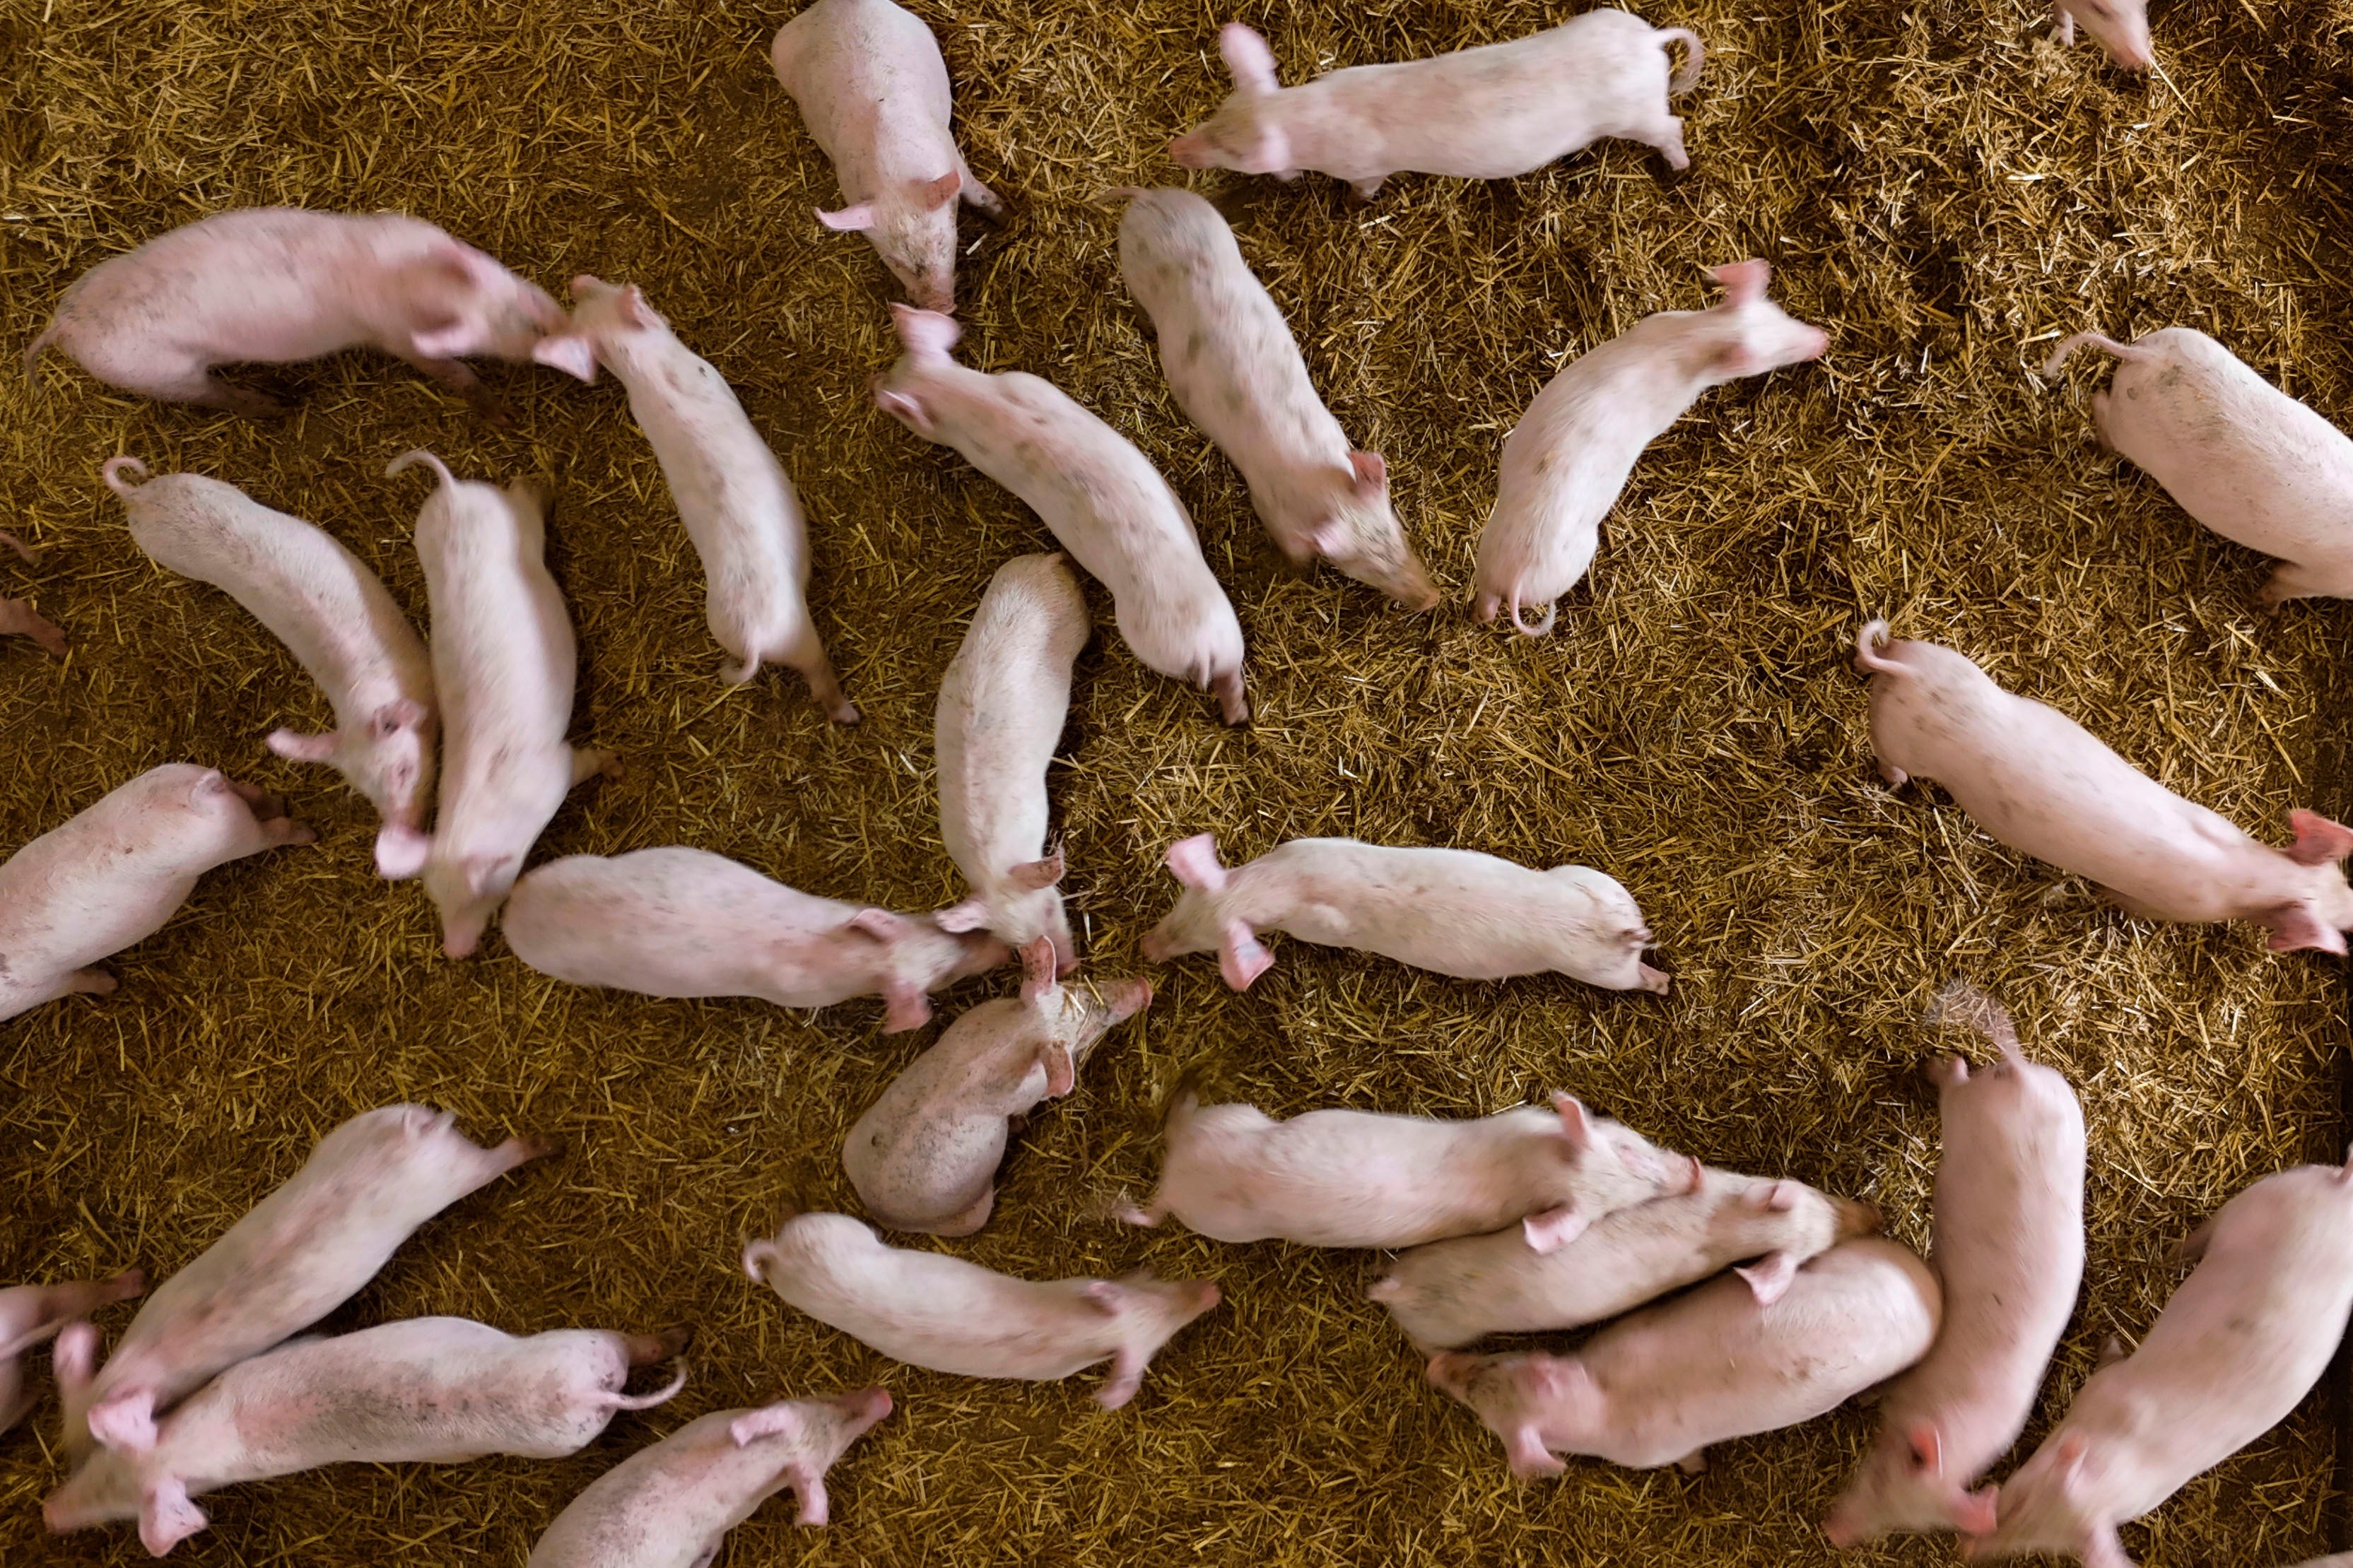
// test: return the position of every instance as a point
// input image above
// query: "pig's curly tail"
(114, 469)
(1867, 657)
(2100, 340)
(1685, 80)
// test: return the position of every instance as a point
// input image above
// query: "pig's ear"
(1576, 1123)
(1038, 969)
(1246, 56)
(167, 1517)
(939, 193)
(1781, 1197)
(1769, 1277)
(1924, 1446)
(849, 219)
(390, 720)
(882, 925)
(903, 408)
(2297, 926)
(447, 340)
(1036, 876)
(400, 852)
(584, 283)
(212, 783)
(1194, 863)
(958, 919)
(1061, 1072)
(1549, 1230)
(2318, 840)
(634, 308)
(904, 1007)
(1240, 957)
(1371, 471)
(1104, 1296)
(569, 352)
(1743, 281)
(301, 748)
(483, 872)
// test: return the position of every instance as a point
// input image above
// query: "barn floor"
(1937, 182)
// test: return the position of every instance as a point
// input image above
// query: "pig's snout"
(868, 1404)
(1130, 999)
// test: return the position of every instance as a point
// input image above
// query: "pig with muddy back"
(2041, 784)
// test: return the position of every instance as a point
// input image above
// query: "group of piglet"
(1533, 1220)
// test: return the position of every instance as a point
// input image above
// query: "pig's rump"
(847, 73)
(931, 1310)
(1331, 1178)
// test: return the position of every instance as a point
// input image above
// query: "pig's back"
(731, 493)
(103, 878)
(1453, 911)
(227, 278)
(502, 648)
(670, 921)
(663, 1506)
(853, 65)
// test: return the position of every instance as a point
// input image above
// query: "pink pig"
(731, 492)
(685, 923)
(1002, 706)
(671, 1505)
(1486, 113)
(1658, 1387)
(302, 1252)
(272, 285)
(1102, 498)
(18, 616)
(1453, 910)
(30, 1314)
(925, 1156)
(2041, 782)
(435, 1391)
(334, 616)
(2242, 457)
(1569, 459)
(115, 874)
(2245, 1338)
(1352, 1178)
(2119, 27)
(929, 1309)
(504, 664)
(873, 91)
(2009, 1253)
(1237, 373)
(1449, 1293)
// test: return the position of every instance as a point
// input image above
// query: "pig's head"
(1200, 922)
(1587, 1167)
(1748, 334)
(914, 229)
(1146, 1313)
(1904, 1489)
(1068, 1022)
(1025, 905)
(916, 957)
(2051, 1506)
(1245, 134)
(454, 302)
(1619, 930)
(605, 317)
(1360, 535)
(467, 890)
(2119, 27)
(803, 1436)
(2324, 913)
(389, 758)
(1519, 1397)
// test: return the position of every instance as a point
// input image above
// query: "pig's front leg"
(18, 619)
(194, 382)
(459, 378)
(86, 983)
(2063, 21)
(977, 196)
(1668, 138)
(1694, 1463)
(1365, 190)
(587, 762)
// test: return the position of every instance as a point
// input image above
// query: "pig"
(671, 1505)
(18, 616)
(114, 874)
(738, 505)
(31, 1314)
(1569, 459)
(1456, 911)
(2009, 1253)
(2044, 784)
(931, 1310)
(1002, 706)
(925, 1156)
(334, 616)
(873, 91)
(1656, 1388)
(273, 285)
(302, 1251)
(2119, 27)
(1486, 113)
(1351, 1178)
(2239, 455)
(1100, 496)
(685, 923)
(1448, 1293)
(2244, 1339)
(434, 1391)
(1237, 373)
(503, 662)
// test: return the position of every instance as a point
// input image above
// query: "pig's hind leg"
(18, 619)
(195, 382)
(459, 378)
(587, 762)
(2290, 580)
(1667, 136)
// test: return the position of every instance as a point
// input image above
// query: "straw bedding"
(1936, 183)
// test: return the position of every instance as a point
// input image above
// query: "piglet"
(2245, 1338)
(2119, 27)
(1002, 706)
(671, 1505)
(1453, 910)
(30, 1314)
(1567, 461)
(18, 616)
(2042, 784)
(1102, 498)
(1351, 1178)
(1658, 1387)
(925, 1156)
(273, 285)
(1449, 1293)
(434, 1391)
(503, 663)
(302, 1251)
(685, 923)
(2009, 1253)
(1237, 373)
(873, 91)
(334, 616)
(1486, 113)
(2242, 457)
(929, 1309)
(115, 874)
(731, 493)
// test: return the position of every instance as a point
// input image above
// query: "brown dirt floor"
(1935, 181)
